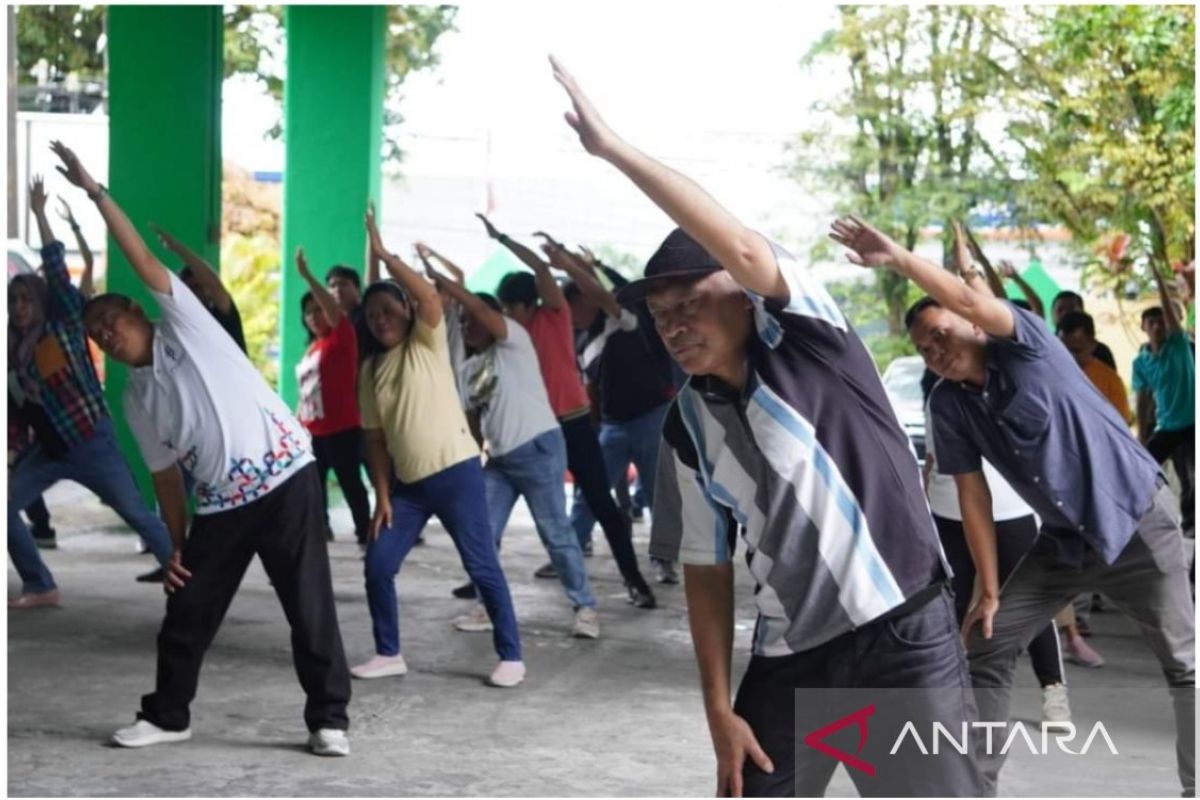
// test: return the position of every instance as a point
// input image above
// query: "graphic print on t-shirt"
(248, 480)
(309, 373)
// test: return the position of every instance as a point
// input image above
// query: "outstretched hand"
(302, 265)
(168, 241)
(551, 242)
(65, 213)
(962, 248)
(491, 229)
(37, 195)
(72, 169)
(377, 248)
(594, 134)
(868, 246)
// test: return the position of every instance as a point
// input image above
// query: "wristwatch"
(101, 191)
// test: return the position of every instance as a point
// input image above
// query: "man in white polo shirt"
(194, 399)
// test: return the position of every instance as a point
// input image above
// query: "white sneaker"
(329, 742)
(507, 674)
(587, 624)
(380, 667)
(475, 622)
(1054, 704)
(144, 734)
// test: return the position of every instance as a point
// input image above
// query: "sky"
(714, 91)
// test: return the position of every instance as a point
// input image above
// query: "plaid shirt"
(71, 395)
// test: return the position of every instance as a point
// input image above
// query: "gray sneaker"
(587, 624)
(329, 742)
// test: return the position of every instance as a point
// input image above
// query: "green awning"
(487, 275)
(1037, 277)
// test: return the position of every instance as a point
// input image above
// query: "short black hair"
(1067, 294)
(342, 271)
(305, 299)
(122, 301)
(490, 299)
(1077, 321)
(1153, 311)
(518, 288)
(914, 311)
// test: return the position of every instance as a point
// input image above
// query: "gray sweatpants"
(1148, 583)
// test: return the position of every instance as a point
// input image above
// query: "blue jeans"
(535, 470)
(98, 465)
(456, 496)
(623, 443)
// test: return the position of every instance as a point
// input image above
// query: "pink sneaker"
(1080, 652)
(40, 599)
(507, 674)
(380, 667)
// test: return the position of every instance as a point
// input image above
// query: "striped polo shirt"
(809, 462)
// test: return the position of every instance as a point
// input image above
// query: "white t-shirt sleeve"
(157, 455)
(186, 316)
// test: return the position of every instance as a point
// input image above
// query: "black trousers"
(342, 453)
(1180, 447)
(586, 462)
(917, 650)
(286, 530)
(1014, 538)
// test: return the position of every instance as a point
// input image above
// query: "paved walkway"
(618, 716)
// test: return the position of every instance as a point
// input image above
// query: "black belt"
(916, 601)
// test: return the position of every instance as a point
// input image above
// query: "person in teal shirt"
(1164, 377)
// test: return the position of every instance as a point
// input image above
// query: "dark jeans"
(456, 495)
(286, 530)
(342, 452)
(1014, 538)
(920, 649)
(586, 462)
(1180, 447)
(39, 517)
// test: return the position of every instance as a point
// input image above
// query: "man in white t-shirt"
(194, 399)
(501, 386)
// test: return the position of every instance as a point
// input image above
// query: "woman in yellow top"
(423, 462)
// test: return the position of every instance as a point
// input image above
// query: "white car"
(902, 381)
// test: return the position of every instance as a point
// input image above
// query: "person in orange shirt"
(1078, 332)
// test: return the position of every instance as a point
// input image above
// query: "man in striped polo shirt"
(784, 432)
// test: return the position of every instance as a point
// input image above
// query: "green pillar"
(164, 80)
(333, 129)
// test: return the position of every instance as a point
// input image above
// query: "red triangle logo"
(859, 718)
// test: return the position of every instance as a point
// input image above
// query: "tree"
(69, 38)
(904, 134)
(254, 43)
(1102, 105)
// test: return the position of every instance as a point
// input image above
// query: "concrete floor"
(619, 716)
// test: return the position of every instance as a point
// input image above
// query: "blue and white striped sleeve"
(807, 298)
(687, 526)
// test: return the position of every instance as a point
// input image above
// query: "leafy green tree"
(904, 136)
(67, 37)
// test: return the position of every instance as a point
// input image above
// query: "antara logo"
(1065, 732)
(859, 718)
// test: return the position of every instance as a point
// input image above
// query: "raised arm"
(548, 288)
(1171, 319)
(456, 273)
(563, 259)
(429, 305)
(870, 248)
(480, 311)
(995, 284)
(986, 283)
(37, 204)
(742, 251)
(205, 274)
(148, 268)
(87, 280)
(326, 301)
